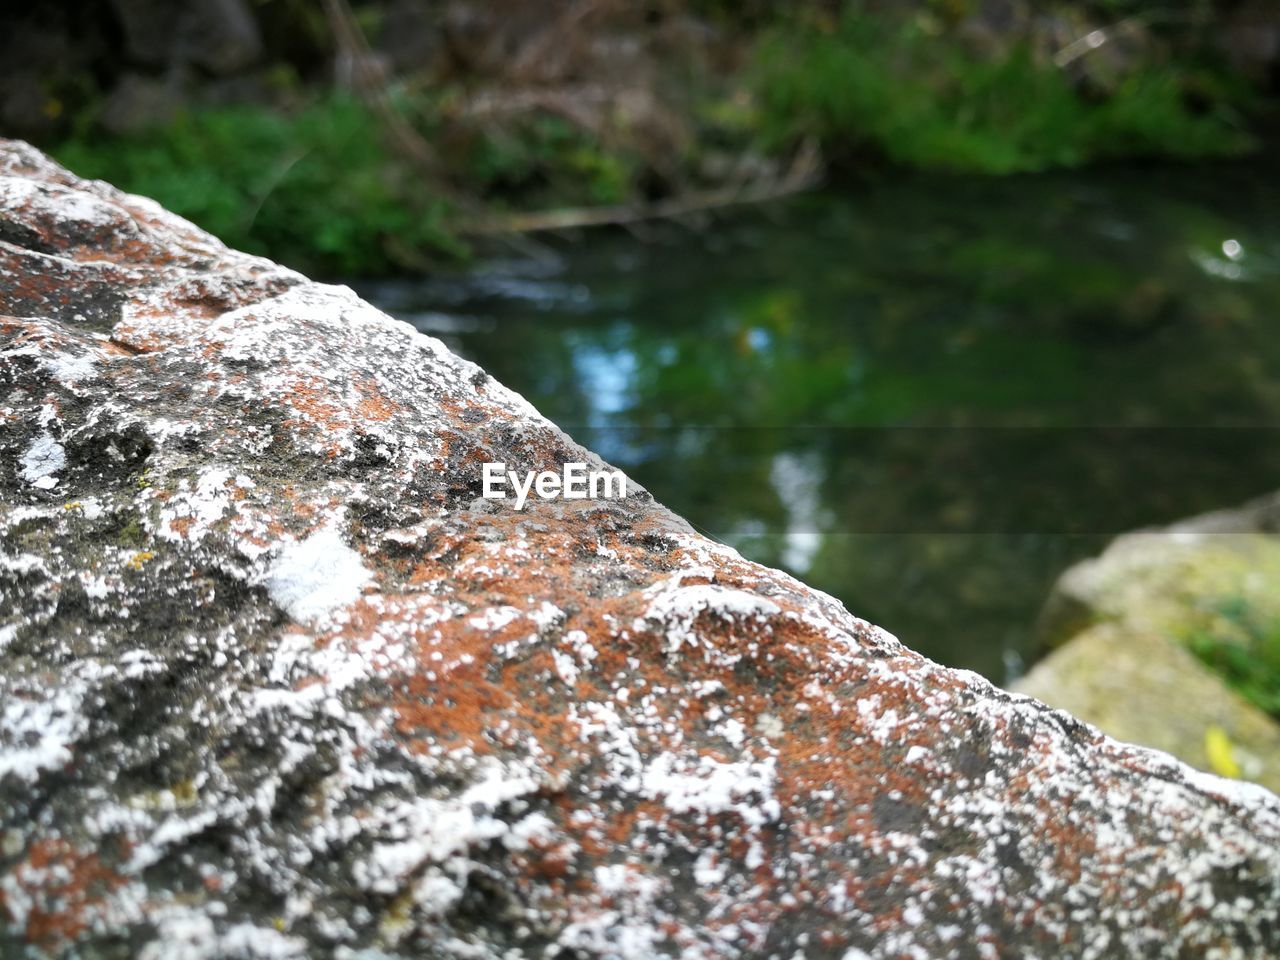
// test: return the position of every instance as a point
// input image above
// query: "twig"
(804, 174)
(277, 177)
(372, 89)
(353, 45)
(1094, 39)
(556, 33)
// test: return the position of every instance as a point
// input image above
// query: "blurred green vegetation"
(1244, 648)
(546, 160)
(324, 186)
(319, 189)
(904, 89)
(315, 188)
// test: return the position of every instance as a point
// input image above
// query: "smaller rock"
(1147, 689)
(1167, 581)
(220, 35)
(1122, 626)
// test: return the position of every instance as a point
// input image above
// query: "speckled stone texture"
(276, 682)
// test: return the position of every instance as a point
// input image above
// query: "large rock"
(275, 682)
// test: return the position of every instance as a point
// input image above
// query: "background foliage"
(509, 109)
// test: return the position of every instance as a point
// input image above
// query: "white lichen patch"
(50, 204)
(192, 510)
(678, 608)
(311, 578)
(710, 787)
(37, 733)
(42, 461)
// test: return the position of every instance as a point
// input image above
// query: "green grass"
(545, 160)
(904, 90)
(1245, 651)
(315, 189)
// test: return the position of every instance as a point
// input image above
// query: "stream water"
(924, 396)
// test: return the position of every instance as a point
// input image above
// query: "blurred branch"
(1091, 41)
(1095, 39)
(370, 86)
(555, 34)
(804, 173)
(291, 160)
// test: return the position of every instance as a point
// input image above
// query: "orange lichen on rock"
(64, 890)
(374, 405)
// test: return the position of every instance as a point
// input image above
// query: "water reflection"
(926, 397)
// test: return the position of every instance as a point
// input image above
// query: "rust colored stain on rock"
(60, 889)
(275, 681)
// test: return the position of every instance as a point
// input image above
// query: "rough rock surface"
(274, 682)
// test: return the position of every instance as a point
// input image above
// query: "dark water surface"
(926, 397)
